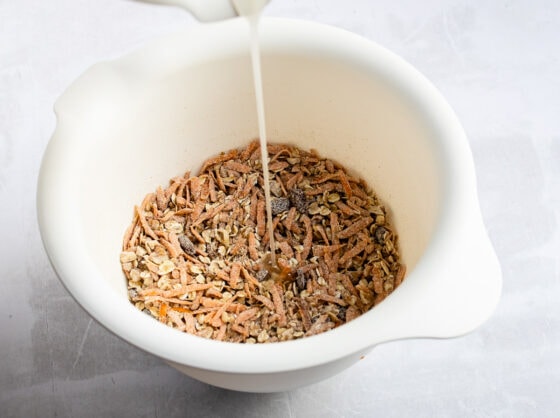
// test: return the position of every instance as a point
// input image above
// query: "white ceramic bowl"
(128, 125)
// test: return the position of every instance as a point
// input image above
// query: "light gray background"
(497, 62)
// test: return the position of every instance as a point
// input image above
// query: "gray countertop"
(498, 65)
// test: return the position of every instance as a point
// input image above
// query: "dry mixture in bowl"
(196, 256)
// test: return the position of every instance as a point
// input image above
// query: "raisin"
(380, 234)
(279, 205)
(262, 275)
(298, 200)
(187, 245)
(342, 313)
(301, 280)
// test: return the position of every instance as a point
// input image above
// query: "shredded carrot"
(308, 240)
(253, 207)
(278, 165)
(197, 235)
(135, 234)
(239, 329)
(217, 320)
(304, 312)
(147, 201)
(276, 292)
(265, 301)
(253, 252)
(195, 287)
(144, 223)
(180, 309)
(234, 274)
(162, 311)
(128, 235)
(250, 279)
(189, 323)
(295, 179)
(236, 166)
(261, 218)
(345, 183)
(171, 249)
(161, 200)
(355, 228)
(354, 251)
(219, 180)
(221, 332)
(288, 222)
(219, 159)
(245, 316)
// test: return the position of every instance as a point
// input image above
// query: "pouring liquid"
(251, 9)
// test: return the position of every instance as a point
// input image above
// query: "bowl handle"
(446, 295)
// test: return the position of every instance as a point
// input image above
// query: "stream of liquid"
(252, 10)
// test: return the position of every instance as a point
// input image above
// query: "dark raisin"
(380, 234)
(298, 199)
(279, 205)
(187, 245)
(262, 275)
(301, 280)
(342, 313)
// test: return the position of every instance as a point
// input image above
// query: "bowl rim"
(181, 348)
